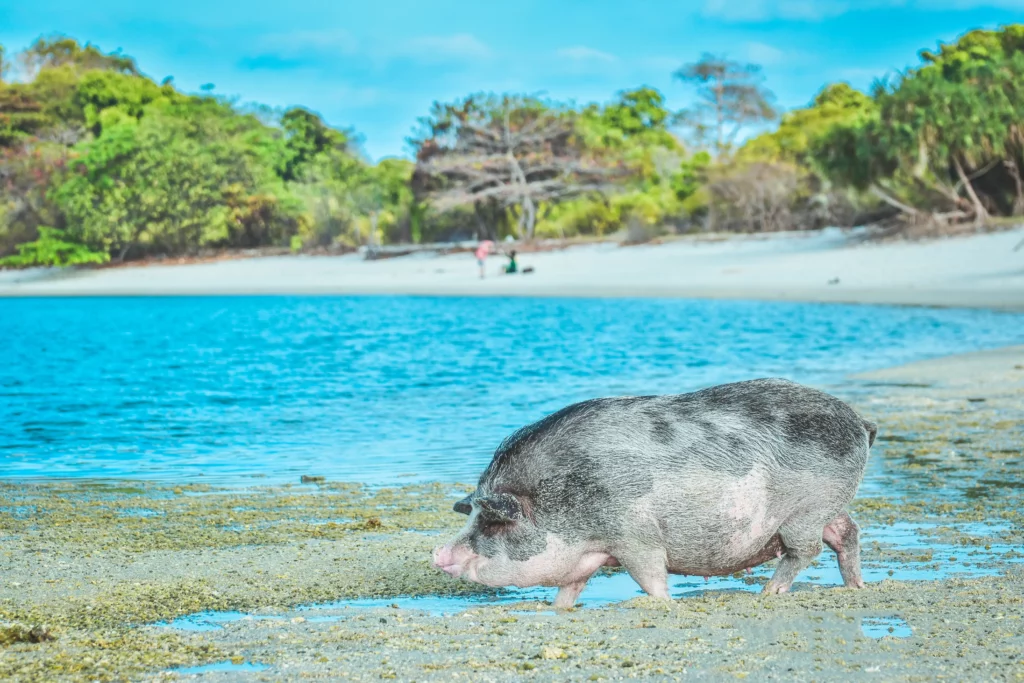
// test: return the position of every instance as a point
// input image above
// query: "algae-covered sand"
(88, 571)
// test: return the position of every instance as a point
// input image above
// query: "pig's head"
(497, 544)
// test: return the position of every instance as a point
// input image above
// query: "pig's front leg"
(568, 594)
(649, 568)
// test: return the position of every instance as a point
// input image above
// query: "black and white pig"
(705, 484)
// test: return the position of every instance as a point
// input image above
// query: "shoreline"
(977, 271)
(1000, 301)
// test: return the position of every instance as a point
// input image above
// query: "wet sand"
(88, 569)
(826, 266)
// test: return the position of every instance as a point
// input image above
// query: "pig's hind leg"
(801, 542)
(843, 535)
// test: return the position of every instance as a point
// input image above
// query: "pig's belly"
(713, 524)
(723, 561)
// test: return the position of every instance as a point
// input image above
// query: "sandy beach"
(827, 266)
(90, 570)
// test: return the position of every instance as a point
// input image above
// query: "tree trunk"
(720, 119)
(530, 212)
(903, 208)
(1018, 202)
(980, 213)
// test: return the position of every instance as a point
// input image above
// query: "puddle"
(923, 558)
(227, 665)
(139, 512)
(212, 621)
(881, 627)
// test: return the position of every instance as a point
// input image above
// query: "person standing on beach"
(481, 255)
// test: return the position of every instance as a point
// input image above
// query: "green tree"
(730, 97)
(179, 179)
(59, 50)
(52, 248)
(837, 103)
(945, 141)
(97, 91)
(306, 138)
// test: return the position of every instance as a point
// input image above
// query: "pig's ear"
(464, 506)
(500, 507)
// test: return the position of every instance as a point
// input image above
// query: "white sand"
(980, 373)
(979, 271)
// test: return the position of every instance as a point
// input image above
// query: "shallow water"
(220, 666)
(882, 627)
(387, 390)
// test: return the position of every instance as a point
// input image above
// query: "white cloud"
(307, 45)
(816, 10)
(762, 10)
(580, 53)
(460, 46)
(764, 54)
(975, 4)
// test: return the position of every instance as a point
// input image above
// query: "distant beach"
(826, 266)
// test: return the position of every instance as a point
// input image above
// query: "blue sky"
(376, 65)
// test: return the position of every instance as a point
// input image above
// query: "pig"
(707, 483)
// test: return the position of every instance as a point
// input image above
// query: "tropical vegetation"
(98, 162)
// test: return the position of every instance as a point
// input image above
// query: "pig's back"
(614, 448)
(766, 422)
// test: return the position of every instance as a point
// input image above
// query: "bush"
(52, 248)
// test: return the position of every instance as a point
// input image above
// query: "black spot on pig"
(839, 437)
(662, 430)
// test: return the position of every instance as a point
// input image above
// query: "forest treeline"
(99, 162)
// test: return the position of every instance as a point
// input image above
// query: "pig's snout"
(452, 560)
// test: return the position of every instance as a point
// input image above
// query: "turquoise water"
(216, 667)
(390, 390)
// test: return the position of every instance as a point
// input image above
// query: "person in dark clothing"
(512, 266)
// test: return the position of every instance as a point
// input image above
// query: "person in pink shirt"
(481, 254)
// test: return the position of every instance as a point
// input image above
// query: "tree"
(730, 97)
(835, 104)
(177, 179)
(26, 177)
(306, 137)
(945, 141)
(512, 151)
(58, 50)
(52, 248)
